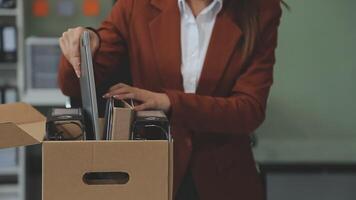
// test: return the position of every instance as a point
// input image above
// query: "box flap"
(13, 136)
(20, 125)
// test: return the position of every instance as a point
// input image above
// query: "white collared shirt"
(195, 38)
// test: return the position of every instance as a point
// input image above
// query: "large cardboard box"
(91, 170)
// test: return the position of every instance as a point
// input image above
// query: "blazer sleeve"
(111, 57)
(243, 111)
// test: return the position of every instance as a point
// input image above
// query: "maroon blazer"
(141, 40)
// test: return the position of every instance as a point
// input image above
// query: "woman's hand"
(150, 100)
(70, 45)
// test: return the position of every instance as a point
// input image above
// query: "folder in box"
(119, 117)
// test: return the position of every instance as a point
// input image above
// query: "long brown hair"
(248, 19)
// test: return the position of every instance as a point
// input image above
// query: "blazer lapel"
(165, 35)
(225, 37)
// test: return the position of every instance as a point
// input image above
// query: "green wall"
(314, 94)
(53, 25)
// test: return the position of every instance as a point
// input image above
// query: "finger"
(79, 31)
(64, 47)
(142, 95)
(125, 96)
(64, 34)
(117, 86)
(61, 44)
(75, 61)
(66, 41)
(118, 92)
(74, 40)
(71, 50)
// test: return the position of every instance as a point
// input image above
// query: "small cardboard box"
(91, 170)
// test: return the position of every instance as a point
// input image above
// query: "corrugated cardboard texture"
(12, 136)
(171, 164)
(19, 113)
(101, 127)
(147, 163)
(20, 125)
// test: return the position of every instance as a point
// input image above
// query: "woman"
(208, 64)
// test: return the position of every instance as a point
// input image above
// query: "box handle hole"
(106, 178)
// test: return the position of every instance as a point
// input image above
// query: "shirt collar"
(215, 6)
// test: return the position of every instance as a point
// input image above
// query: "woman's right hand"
(70, 46)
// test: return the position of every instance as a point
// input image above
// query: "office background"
(307, 146)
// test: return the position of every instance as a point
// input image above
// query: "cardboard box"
(91, 170)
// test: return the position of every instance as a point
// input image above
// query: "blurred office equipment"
(65, 8)
(40, 8)
(42, 60)
(91, 7)
(11, 42)
(8, 49)
(8, 94)
(150, 125)
(12, 160)
(9, 37)
(65, 124)
(7, 3)
(8, 158)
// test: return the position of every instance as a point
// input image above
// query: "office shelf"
(7, 69)
(8, 188)
(55, 97)
(9, 73)
(5, 171)
(9, 192)
(8, 66)
(8, 12)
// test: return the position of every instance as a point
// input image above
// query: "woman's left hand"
(150, 100)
